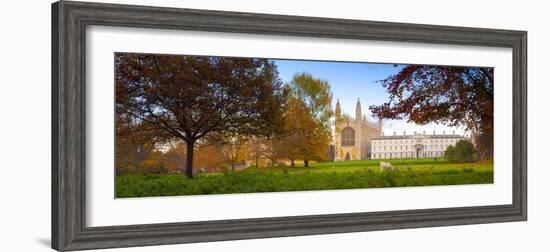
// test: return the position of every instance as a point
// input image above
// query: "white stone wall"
(406, 146)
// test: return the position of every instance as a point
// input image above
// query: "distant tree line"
(462, 152)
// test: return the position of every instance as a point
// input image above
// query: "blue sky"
(352, 80)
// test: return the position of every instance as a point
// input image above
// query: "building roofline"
(412, 136)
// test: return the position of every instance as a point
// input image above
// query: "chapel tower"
(358, 113)
(352, 136)
(338, 110)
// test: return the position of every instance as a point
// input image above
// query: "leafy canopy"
(450, 95)
(462, 152)
(189, 97)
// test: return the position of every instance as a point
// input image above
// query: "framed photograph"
(178, 125)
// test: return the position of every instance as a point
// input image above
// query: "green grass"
(320, 176)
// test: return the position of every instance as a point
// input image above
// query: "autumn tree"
(206, 157)
(175, 157)
(232, 147)
(130, 155)
(449, 95)
(298, 123)
(260, 148)
(189, 97)
(315, 97)
(209, 158)
(154, 163)
(135, 144)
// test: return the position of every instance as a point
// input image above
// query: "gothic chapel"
(353, 136)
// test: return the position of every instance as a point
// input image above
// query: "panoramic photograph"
(203, 125)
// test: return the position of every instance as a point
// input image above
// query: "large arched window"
(348, 137)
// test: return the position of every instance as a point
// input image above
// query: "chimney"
(415, 132)
(424, 132)
(434, 132)
(443, 132)
(453, 132)
(394, 133)
(404, 133)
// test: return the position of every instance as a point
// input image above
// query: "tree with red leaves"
(449, 95)
(190, 97)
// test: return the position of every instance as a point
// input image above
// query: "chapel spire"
(358, 113)
(338, 110)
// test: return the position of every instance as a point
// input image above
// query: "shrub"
(468, 169)
(462, 152)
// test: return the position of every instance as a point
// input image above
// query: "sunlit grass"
(320, 176)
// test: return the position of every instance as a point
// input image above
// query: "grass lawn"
(320, 176)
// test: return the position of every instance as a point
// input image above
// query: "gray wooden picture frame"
(69, 21)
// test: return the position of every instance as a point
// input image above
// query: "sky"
(350, 81)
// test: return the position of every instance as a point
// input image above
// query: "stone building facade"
(352, 136)
(417, 145)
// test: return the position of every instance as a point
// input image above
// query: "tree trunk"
(292, 163)
(490, 147)
(189, 161)
(232, 166)
(306, 163)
